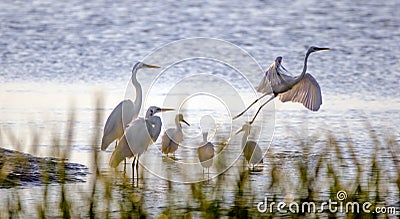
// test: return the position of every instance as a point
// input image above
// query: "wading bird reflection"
(302, 88)
(139, 135)
(173, 136)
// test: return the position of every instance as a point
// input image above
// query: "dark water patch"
(22, 169)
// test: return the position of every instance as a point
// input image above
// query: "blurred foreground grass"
(117, 197)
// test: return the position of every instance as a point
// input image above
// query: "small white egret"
(206, 153)
(303, 88)
(139, 135)
(173, 136)
(124, 112)
(251, 151)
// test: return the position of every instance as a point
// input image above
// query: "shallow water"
(57, 55)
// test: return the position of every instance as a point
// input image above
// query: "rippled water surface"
(62, 52)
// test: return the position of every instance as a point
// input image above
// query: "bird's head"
(155, 109)
(140, 65)
(278, 60)
(315, 49)
(181, 119)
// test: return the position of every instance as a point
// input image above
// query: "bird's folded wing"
(307, 92)
(165, 142)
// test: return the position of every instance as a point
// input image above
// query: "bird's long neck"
(138, 90)
(178, 124)
(245, 137)
(205, 134)
(301, 76)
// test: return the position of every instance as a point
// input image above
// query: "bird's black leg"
(245, 110)
(259, 109)
(137, 169)
(133, 169)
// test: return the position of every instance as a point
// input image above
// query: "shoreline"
(24, 169)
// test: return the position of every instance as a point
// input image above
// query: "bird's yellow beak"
(151, 66)
(166, 109)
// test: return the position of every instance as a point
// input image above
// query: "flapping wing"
(307, 92)
(273, 79)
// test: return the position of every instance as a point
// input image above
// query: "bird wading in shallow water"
(173, 137)
(125, 112)
(139, 135)
(206, 153)
(251, 151)
(302, 88)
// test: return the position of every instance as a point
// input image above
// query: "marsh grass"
(315, 178)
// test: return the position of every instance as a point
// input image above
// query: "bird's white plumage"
(138, 136)
(171, 140)
(173, 136)
(251, 150)
(274, 79)
(205, 152)
(125, 112)
(118, 120)
(307, 92)
(303, 88)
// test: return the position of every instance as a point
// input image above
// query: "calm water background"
(57, 53)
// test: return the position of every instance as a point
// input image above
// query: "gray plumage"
(302, 88)
(206, 152)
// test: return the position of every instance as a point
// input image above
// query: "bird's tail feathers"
(120, 153)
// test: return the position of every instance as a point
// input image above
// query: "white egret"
(251, 151)
(302, 88)
(173, 136)
(124, 112)
(206, 153)
(139, 135)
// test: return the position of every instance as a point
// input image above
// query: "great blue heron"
(302, 88)
(173, 136)
(206, 153)
(124, 112)
(251, 151)
(139, 135)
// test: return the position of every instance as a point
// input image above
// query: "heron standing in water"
(125, 112)
(302, 88)
(251, 151)
(173, 137)
(139, 135)
(206, 153)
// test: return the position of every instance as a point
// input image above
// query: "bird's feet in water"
(255, 169)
